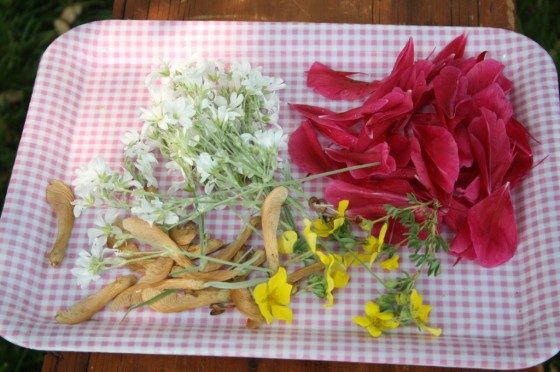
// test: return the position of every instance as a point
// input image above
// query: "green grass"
(26, 29)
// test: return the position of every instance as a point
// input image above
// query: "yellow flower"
(373, 245)
(286, 242)
(273, 297)
(421, 312)
(325, 228)
(310, 236)
(335, 274)
(375, 321)
(391, 263)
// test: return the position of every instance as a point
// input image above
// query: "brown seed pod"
(157, 270)
(89, 306)
(179, 283)
(228, 252)
(244, 302)
(60, 198)
(127, 298)
(154, 236)
(271, 208)
(136, 266)
(211, 276)
(212, 245)
(184, 234)
(176, 302)
(304, 272)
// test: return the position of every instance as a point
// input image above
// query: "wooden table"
(495, 13)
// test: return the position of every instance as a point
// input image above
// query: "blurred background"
(27, 27)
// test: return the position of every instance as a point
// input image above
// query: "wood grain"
(491, 13)
(139, 363)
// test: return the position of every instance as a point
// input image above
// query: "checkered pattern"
(88, 91)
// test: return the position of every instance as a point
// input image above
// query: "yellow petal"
(433, 330)
(340, 279)
(390, 324)
(330, 299)
(372, 258)
(286, 242)
(337, 223)
(386, 315)
(281, 277)
(382, 233)
(371, 245)
(372, 309)
(423, 312)
(415, 299)
(374, 331)
(310, 236)
(362, 321)
(260, 293)
(322, 228)
(342, 206)
(282, 313)
(326, 259)
(391, 263)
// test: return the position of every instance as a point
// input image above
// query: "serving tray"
(88, 91)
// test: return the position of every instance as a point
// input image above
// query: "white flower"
(154, 115)
(204, 165)
(145, 164)
(154, 211)
(104, 226)
(91, 176)
(178, 111)
(271, 138)
(90, 264)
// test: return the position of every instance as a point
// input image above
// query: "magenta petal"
(483, 74)
(454, 49)
(492, 228)
(494, 99)
(319, 114)
(491, 149)
(306, 151)
(378, 153)
(522, 153)
(450, 90)
(399, 149)
(367, 200)
(462, 245)
(440, 154)
(337, 85)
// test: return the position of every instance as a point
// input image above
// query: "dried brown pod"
(212, 245)
(184, 234)
(60, 198)
(244, 302)
(157, 270)
(180, 283)
(304, 272)
(270, 211)
(127, 298)
(155, 237)
(210, 276)
(176, 302)
(231, 249)
(136, 266)
(89, 306)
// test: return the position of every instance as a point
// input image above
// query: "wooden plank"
(336, 11)
(54, 362)
(118, 9)
(497, 13)
(138, 9)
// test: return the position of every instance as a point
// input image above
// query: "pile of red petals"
(440, 127)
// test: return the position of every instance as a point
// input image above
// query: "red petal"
(483, 74)
(494, 99)
(522, 153)
(306, 151)
(492, 228)
(462, 245)
(440, 154)
(454, 49)
(378, 153)
(491, 149)
(400, 149)
(337, 85)
(368, 199)
(450, 90)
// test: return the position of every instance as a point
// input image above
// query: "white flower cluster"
(215, 127)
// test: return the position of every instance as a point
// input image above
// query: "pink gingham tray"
(89, 90)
